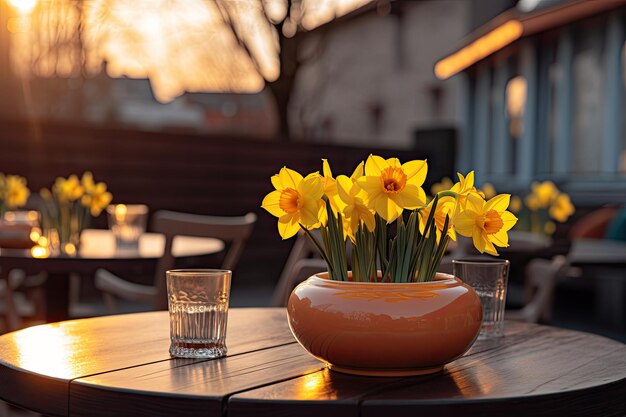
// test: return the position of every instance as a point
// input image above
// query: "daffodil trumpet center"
(492, 222)
(393, 179)
(290, 201)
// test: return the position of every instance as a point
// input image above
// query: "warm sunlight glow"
(479, 49)
(23, 6)
(35, 234)
(46, 350)
(120, 212)
(40, 252)
(315, 386)
(516, 96)
(69, 249)
(179, 45)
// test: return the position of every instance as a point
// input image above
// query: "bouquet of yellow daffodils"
(546, 204)
(14, 192)
(379, 196)
(70, 203)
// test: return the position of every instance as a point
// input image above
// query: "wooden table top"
(99, 244)
(119, 365)
(597, 252)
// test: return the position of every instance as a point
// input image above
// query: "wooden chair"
(21, 297)
(234, 231)
(541, 279)
(303, 261)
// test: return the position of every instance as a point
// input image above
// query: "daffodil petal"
(271, 204)
(372, 187)
(508, 219)
(369, 220)
(412, 197)
(374, 165)
(311, 187)
(322, 214)
(490, 249)
(326, 171)
(415, 171)
(498, 203)
(344, 185)
(289, 178)
(475, 203)
(288, 226)
(393, 162)
(465, 223)
(478, 240)
(387, 208)
(500, 239)
(276, 182)
(309, 213)
(358, 171)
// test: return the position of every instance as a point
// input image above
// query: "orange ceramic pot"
(385, 329)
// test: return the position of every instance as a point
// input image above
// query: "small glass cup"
(198, 306)
(489, 279)
(128, 223)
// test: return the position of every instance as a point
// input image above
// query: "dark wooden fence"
(187, 172)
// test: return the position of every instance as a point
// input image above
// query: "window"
(587, 118)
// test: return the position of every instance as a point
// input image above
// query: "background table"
(603, 262)
(119, 365)
(97, 250)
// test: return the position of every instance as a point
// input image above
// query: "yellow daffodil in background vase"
(544, 206)
(14, 192)
(67, 209)
(392, 295)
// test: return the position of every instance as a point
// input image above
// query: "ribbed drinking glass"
(198, 306)
(489, 279)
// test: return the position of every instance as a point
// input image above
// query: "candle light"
(127, 222)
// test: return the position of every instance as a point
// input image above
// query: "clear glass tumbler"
(489, 279)
(198, 306)
(128, 223)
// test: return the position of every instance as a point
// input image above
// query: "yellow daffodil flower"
(446, 206)
(532, 202)
(391, 187)
(486, 222)
(330, 188)
(97, 199)
(355, 210)
(544, 193)
(562, 208)
(295, 201)
(465, 187)
(488, 190)
(16, 192)
(96, 196)
(444, 185)
(358, 172)
(87, 181)
(69, 189)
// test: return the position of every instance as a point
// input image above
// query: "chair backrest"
(302, 249)
(234, 231)
(303, 261)
(540, 282)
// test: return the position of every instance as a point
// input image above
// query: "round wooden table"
(97, 250)
(120, 366)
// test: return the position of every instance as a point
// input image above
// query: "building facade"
(542, 97)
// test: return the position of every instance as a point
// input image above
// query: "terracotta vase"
(385, 329)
